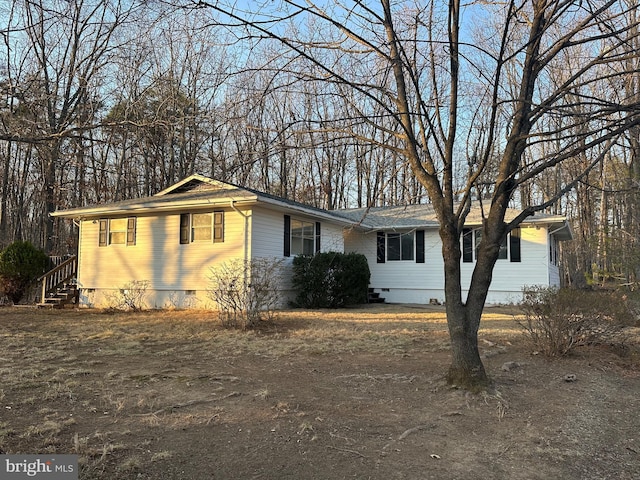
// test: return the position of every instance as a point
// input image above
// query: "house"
(404, 252)
(172, 239)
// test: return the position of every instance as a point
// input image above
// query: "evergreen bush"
(20, 265)
(330, 280)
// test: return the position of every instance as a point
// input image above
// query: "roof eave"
(326, 214)
(149, 207)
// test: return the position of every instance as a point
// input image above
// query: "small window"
(303, 237)
(202, 227)
(467, 245)
(117, 231)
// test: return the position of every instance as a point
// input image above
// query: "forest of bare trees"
(104, 100)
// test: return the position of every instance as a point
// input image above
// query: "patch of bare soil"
(317, 395)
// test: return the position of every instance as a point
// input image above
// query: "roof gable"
(195, 183)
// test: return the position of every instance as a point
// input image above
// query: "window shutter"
(184, 228)
(131, 231)
(317, 237)
(218, 227)
(287, 236)
(102, 235)
(467, 245)
(380, 247)
(514, 240)
(419, 246)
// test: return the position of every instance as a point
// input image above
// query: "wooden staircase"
(58, 285)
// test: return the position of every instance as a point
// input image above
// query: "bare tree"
(468, 116)
(59, 51)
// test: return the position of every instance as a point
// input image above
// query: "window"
(509, 247)
(301, 237)
(202, 227)
(400, 246)
(117, 231)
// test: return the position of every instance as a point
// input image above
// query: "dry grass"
(116, 372)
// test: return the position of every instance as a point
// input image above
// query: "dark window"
(467, 245)
(393, 246)
(509, 247)
(400, 246)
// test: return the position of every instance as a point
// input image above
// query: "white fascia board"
(149, 207)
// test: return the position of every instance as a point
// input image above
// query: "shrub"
(558, 320)
(245, 292)
(131, 296)
(330, 280)
(20, 265)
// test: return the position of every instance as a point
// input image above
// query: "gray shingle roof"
(423, 216)
(200, 192)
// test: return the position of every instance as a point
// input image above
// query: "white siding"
(509, 278)
(157, 257)
(178, 275)
(268, 241)
(268, 226)
(410, 282)
(402, 281)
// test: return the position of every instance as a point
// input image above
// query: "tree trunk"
(4, 197)
(466, 370)
(463, 319)
(50, 161)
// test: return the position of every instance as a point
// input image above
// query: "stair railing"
(58, 276)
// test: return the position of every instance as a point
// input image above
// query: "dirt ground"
(356, 393)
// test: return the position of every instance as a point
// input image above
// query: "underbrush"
(558, 320)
